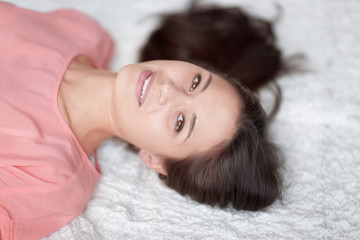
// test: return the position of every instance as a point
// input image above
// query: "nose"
(165, 91)
(168, 92)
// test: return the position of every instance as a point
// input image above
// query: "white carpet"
(318, 129)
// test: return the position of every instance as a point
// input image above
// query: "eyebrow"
(191, 128)
(206, 85)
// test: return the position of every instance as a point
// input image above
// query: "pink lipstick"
(143, 86)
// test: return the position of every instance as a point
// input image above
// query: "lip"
(140, 83)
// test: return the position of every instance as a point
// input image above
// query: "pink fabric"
(46, 179)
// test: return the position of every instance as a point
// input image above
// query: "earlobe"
(152, 161)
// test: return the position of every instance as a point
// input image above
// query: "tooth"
(146, 83)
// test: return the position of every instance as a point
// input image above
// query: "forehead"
(217, 112)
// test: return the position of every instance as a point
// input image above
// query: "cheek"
(149, 133)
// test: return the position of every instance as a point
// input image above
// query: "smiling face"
(173, 109)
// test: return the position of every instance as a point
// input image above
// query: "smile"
(146, 83)
(143, 86)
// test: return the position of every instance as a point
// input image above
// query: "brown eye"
(195, 83)
(180, 122)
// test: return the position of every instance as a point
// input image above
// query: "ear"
(151, 161)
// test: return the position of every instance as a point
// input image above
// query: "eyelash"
(195, 83)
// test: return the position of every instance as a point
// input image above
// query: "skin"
(99, 104)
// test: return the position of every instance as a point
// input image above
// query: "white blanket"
(318, 129)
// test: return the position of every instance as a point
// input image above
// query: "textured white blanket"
(318, 129)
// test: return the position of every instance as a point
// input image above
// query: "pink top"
(46, 179)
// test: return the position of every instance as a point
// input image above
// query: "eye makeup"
(195, 82)
(180, 122)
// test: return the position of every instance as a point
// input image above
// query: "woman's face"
(173, 109)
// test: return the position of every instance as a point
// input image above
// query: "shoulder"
(87, 33)
(64, 30)
(61, 18)
(73, 15)
(75, 20)
(9, 11)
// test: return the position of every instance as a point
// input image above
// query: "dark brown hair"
(245, 170)
(224, 40)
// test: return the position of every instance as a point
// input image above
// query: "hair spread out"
(243, 172)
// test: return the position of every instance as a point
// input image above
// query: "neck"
(85, 100)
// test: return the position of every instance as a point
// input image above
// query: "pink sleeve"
(102, 53)
(6, 225)
(8, 11)
(104, 50)
(108, 51)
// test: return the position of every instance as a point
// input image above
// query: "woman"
(203, 132)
